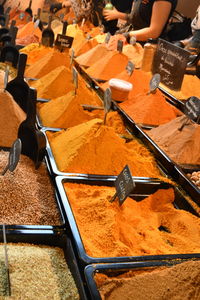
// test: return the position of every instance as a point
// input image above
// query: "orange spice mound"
(28, 39)
(47, 63)
(108, 66)
(86, 46)
(97, 149)
(28, 29)
(35, 52)
(134, 54)
(133, 228)
(92, 56)
(11, 117)
(150, 109)
(66, 111)
(54, 84)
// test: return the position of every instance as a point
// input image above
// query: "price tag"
(14, 156)
(107, 39)
(107, 103)
(154, 83)
(192, 109)
(130, 68)
(36, 23)
(63, 41)
(124, 185)
(75, 78)
(6, 75)
(170, 62)
(119, 46)
(72, 57)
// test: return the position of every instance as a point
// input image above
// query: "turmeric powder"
(54, 84)
(135, 228)
(97, 149)
(35, 52)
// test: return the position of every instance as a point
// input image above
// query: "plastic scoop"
(17, 87)
(33, 140)
(2, 7)
(48, 35)
(28, 9)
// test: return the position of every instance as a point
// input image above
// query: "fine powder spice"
(27, 30)
(54, 84)
(47, 63)
(27, 196)
(97, 149)
(190, 87)
(92, 56)
(181, 281)
(38, 272)
(179, 139)
(35, 51)
(150, 109)
(134, 53)
(108, 66)
(135, 228)
(11, 117)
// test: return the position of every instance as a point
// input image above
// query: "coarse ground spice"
(48, 63)
(108, 66)
(195, 177)
(35, 51)
(38, 272)
(54, 84)
(150, 109)
(179, 139)
(89, 58)
(190, 87)
(181, 281)
(27, 196)
(133, 228)
(93, 148)
(11, 117)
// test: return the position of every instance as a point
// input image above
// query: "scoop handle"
(21, 65)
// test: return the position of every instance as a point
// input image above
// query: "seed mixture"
(26, 195)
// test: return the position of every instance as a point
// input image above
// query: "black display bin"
(120, 268)
(50, 238)
(149, 186)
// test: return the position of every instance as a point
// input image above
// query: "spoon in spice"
(154, 83)
(14, 156)
(33, 140)
(48, 35)
(28, 9)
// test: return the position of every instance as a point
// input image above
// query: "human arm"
(113, 14)
(160, 14)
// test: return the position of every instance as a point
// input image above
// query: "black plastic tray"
(149, 186)
(50, 238)
(120, 268)
(58, 202)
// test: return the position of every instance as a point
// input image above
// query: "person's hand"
(55, 7)
(110, 14)
(66, 3)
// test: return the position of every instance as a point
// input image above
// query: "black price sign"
(75, 77)
(119, 46)
(154, 83)
(192, 109)
(124, 185)
(63, 41)
(14, 156)
(130, 68)
(170, 62)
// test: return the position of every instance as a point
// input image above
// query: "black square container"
(149, 186)
(50, 238)
(120, 268)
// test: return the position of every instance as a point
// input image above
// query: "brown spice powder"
(180, 282)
